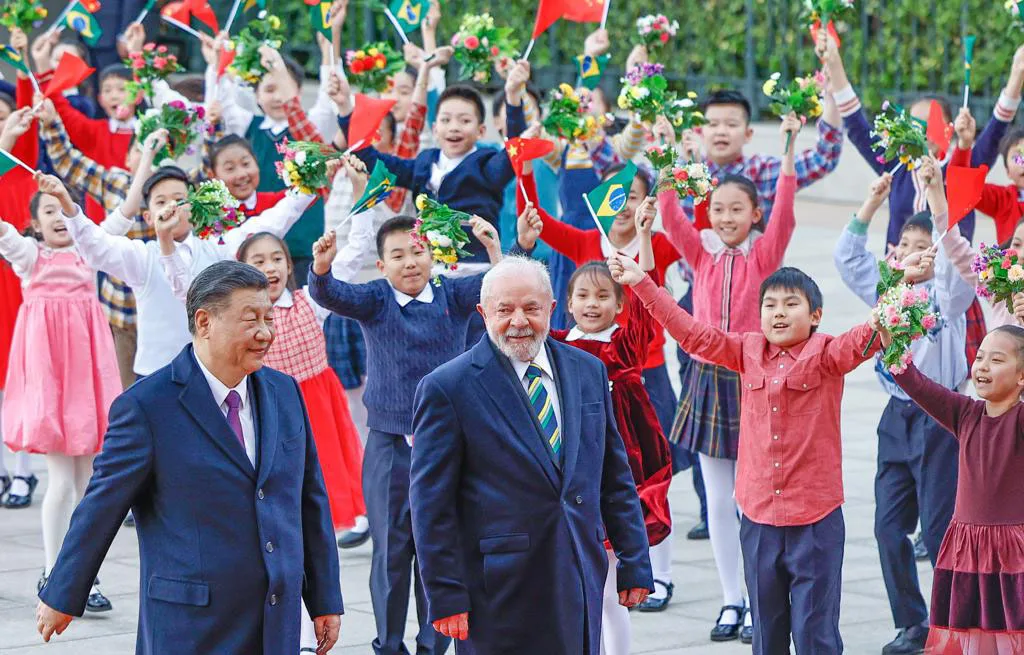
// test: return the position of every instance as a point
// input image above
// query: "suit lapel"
(497, 379)
(567, 379)
(266, 428)
(197, 399)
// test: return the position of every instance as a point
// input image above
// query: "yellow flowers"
(769, 86)
(373, 52)
(568, 92)
(360, 54)
(623, 102)
(275, 22)
(421, 201)
(984, 274)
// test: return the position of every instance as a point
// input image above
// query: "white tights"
(724, 528)
(615, 627)
(67, 479)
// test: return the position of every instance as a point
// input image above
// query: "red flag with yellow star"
(522, 150)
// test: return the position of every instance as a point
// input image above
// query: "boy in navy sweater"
(458, 173)
(411, 327)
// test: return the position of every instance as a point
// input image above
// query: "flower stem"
(871, 342)
(789, 137)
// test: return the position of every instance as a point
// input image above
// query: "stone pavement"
(682, 629)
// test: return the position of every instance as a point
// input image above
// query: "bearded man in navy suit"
(518, 475)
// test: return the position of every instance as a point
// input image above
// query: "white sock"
(58, 504)
(661, 564)
(724, 530)
(615, 625)
(19, 487)
(361, 526)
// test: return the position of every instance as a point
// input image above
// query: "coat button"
(579, 500)
(259, 494)
(273, 599)
(270, 547)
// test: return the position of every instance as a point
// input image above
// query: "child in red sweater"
(1005, 204)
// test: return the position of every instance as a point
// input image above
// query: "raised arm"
(124, 258)
(21, 252)
(771, 248)
(74, 167)
(986, 150)
(846, 352)
(277, 220)
(681, 232)
(945, 406)
(562, 237)
(361, 302)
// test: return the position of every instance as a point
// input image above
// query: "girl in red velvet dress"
(595, 302)
(978, 586)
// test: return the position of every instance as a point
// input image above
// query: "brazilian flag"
(253, 4)
(80, 20)
(378, 187)
(320, 17)
(606, 201)
(410, 13)
(12, 57)
(590, 69)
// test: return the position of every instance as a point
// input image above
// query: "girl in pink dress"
(976, 604)
(62, 375)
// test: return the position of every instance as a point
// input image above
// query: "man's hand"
(456, 627)
(635, 596)
(597, 43)
(326, 629)
(324, 251)
(966, 129)
(49, 621)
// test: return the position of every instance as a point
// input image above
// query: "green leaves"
(888, 277)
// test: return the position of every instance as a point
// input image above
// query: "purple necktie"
(234, 401)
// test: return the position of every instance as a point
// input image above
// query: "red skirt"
(337, 446)
(978, 591)
(10, 301)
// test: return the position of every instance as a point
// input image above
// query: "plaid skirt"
(708, 418)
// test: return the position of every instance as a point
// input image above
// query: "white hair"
(515, 266)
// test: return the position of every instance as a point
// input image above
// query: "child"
(411, 326)
(1005, 204)
(161, 320)
(234, 162)
(729, 261)
(789, 477)
(62, 376)
(595, 303)
(459, 174)
(975, 587)
(917, 464)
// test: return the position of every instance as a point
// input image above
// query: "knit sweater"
(403, 344)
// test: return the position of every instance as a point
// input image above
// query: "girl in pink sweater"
(729, 262)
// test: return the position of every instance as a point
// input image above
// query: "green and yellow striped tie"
(543, 408)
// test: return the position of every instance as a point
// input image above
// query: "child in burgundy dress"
(979, 574)
(595, 303)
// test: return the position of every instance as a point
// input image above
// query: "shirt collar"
(446, 163)
(275, 127)
(286, 300)
(250, 203)
(541, 360)
(426, 296)
(793, 351)
(631, 249)
(715, 247)
(220, 390)
(121, 126)
(604, 335)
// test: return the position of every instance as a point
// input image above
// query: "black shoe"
(21, 502)
(728, 631)
(698, 532)
(129, 521)
(353, 539)
(920, 550)
(657, 604)
(98, 602)
(5, 486)
(909, 641)
(747, 631)
(41, 582)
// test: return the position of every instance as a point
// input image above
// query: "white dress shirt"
(547, 378)
(426, 296)
(220, 395)
(604, 335)
(443, 166)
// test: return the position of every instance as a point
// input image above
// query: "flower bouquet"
(184, 125)
(824, 11)
(905, 312)
(151, 64)
(684, 114)
(304, 166)
(214, 210)
(247, 65)
(899, 136)
(479, 44)
(371, 67)
(801, 97)
(655, 30)
(569, 117)
(24, 15)
(1000, 274)
(692, 180)
(439, 229)
(645, 91)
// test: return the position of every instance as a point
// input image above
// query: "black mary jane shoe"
(5, 486)
(14, 501)
(97, 601)
(353, 539)
(657, 604)
(747, 631)
(728, 631)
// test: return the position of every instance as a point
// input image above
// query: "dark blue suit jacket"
(228, 552)
(502, 532)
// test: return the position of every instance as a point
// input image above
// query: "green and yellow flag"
(378, 187)
(410, 13)
(590, 69)
(80, 20)
(254, 4)
(606, 201)
(12, 57)
(320, 18)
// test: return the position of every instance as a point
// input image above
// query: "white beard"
(519, 352)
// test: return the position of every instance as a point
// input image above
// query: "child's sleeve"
(466, 293)
(124, 258)
(236, 118)
(85, 133)
(349, 260)
(562, 237)
(361, 302)
(323, 114)
(639, 329)
(771, 248)
(403, 169)
(960, 253)
(21, 252)
(857, 267)
(858, 130)
(945, 406)
(498, 168)
(117, 223)
(630, 141)
(408, 146)
(953, 294)
(694, 337)
(999, 202)
(277, 220)
(846, 352)
(986, 148)
(177, 274)
(683, 234)
(817, 162)
(665, 254)
(79, 171)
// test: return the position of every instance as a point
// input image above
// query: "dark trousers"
(392, 569)
(794, 577)
(916, 478)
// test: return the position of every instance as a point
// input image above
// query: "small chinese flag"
(227, 57)
(831, 32)
(178, 10)
(92, 6)
(203, 12)
(578, 11)
(70, 72)
(367, 116)
(939, 131)
(963, 190)
(522, 150)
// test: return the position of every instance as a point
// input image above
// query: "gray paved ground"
(683, 628)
